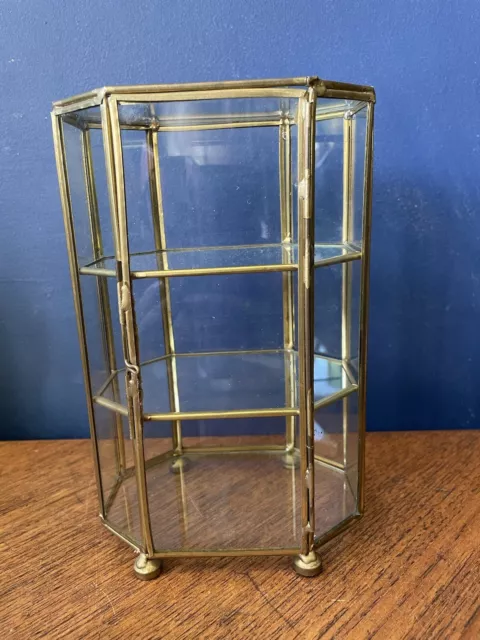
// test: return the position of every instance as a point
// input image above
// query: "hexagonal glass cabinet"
(218, 238)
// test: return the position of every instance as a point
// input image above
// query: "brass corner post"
(286, 233)
(347, 237)
(306, 239)
(158, 222)
(60, 158)
(133, 385)
(102, 294)
(362, 377)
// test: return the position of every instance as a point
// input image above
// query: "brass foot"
(291, 461)
(308, 566)
(179, 464)
(147, 568)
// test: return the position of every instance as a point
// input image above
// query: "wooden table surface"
(409, 569)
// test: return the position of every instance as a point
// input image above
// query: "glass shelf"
(213, 260)
(223, 383)
(204, 507)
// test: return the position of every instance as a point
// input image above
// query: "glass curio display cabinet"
(218, 239)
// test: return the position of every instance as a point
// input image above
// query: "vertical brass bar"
(284, 156)
(164, 282)
(102, 293)
(362, 375)
(347, 236)
(133, 382)
(60, 159)
(306, 194)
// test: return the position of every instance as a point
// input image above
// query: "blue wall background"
(423, 59)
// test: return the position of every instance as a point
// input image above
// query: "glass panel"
(329, 180)
(359, 137)
(336, 462)
(105, 426)
(149, 299)
(226, 433)
(78, 194)
(220, 187)
(85, 160)
(219, 177)
(336, 286)
(137, 191)
(93, 290)
(227, 313)
(217, 382)
(215, 501)
(117, 468)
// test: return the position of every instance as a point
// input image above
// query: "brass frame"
(306, 91)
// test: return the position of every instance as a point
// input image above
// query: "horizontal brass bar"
(208, 127)
(110, 404)
(212, 94)
(73, 122)
(367, 96)
(210, 271)
(330, 115)
(60, 110)
(358, 107)
(213, 415)
(97, 271)
(231, 353)
(349, 257)
(335, 531)
(106, 383)
(226, 553)
(329, 358)
(123, 536)
(112, 495)
(334, 397)
(349, 372)
(252, 448)
(329, 463)
(321, 86)
(191, 122)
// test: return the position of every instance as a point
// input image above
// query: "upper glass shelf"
(217, 260)
(225, 383)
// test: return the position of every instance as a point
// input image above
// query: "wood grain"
(410, 569)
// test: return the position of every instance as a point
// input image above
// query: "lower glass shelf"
(211, 260)
(230, 501)
(228, 382)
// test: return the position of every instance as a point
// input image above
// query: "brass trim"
(133, 383)
(212, 415)
(335, 531)
(306, 238)
(111, 404)
(334, 397)
(60, 158)
(364, 294)
(163, 283)
(102, 291)
(217, 94)
(267, 268)
(123, 536)
(228, 553)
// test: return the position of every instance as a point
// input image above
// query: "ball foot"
(147, 568)
(179, 464)
(291, 461)
(309, 565)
